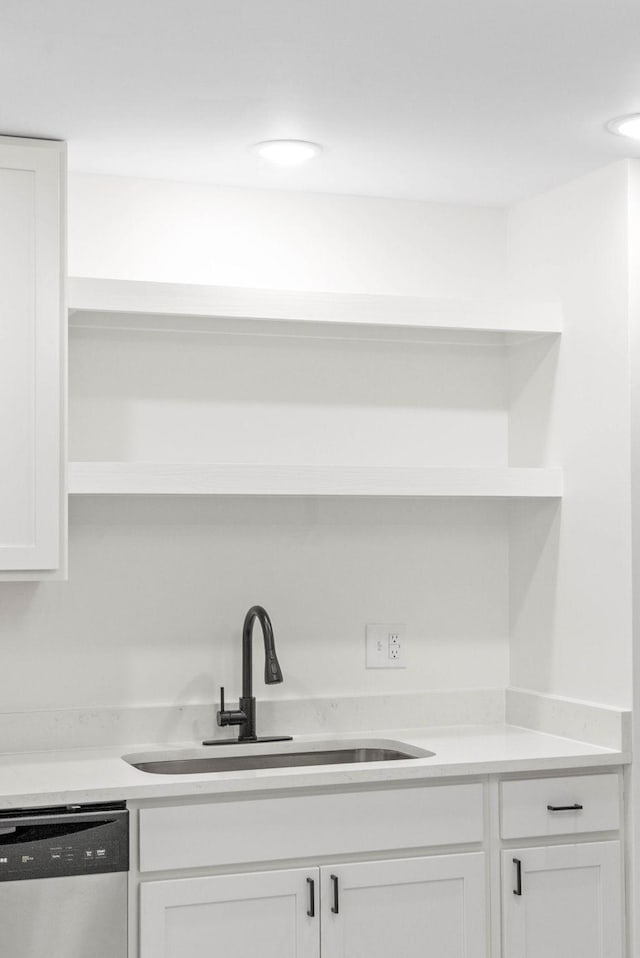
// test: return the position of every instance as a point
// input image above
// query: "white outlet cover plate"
(379, 637)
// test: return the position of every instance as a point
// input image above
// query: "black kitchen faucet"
(245, 715)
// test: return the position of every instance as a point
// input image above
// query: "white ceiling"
(479, 101)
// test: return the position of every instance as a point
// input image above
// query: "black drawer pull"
(518, 889)
(564, 808)
(335, 908)
(311, 910)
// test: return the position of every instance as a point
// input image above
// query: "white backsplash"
(89, 728)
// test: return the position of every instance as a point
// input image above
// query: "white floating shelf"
(233, 479)
(176, 307)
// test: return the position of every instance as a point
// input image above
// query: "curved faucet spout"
(272, 670)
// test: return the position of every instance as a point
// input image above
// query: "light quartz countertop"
(33, 779)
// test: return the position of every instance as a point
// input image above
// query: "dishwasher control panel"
(80, 840)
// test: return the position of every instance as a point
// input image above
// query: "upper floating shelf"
(124, 304)
(237, 479)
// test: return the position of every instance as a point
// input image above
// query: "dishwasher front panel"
(79, 916)
(52, 843)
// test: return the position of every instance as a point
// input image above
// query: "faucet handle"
(231, 717)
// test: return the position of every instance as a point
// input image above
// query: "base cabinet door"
(269, 914)
(414, 908)
(564, 901)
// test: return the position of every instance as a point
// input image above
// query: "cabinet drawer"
(270, 829)
(545, 806)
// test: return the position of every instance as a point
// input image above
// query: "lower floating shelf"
(236, 479)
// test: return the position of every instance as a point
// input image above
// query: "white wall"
(158, 589)
(255, 399)
(125, 228)
(570, 567)
(634, 369)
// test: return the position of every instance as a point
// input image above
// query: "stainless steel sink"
(186, 763)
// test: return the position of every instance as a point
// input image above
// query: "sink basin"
(185, 762)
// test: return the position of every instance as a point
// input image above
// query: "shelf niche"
(156, 408)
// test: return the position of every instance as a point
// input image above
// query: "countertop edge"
(189, 787)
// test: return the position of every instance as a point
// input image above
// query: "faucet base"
(249, 741)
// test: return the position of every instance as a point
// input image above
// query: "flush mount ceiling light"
(287, 152)
(628, 126)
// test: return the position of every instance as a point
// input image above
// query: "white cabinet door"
(269, 914)
(31, 353)
(414, 908)
(570, 901)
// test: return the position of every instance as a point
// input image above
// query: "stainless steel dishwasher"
(63, 882)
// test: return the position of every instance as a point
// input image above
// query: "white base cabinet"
(415, 908)
(411, 907)
(548, 847)
(268, 914)
(569, 905)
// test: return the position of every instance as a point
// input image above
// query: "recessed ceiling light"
(628, 125)
(287, 152)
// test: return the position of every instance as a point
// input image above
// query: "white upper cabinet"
(31, 357)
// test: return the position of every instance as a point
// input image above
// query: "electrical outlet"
(384, 646)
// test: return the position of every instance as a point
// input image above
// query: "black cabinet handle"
(564, 808)
(335, 908)
(311, 910)
(518, 889)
